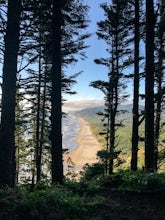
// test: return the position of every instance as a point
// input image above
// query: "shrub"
(141, 181)
(92, 171)
(58, 202)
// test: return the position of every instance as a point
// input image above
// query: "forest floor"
(132, 206)
(61, 204)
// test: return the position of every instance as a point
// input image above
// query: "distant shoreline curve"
(87, 147)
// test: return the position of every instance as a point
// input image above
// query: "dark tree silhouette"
(7, 145)
(149, 87)
(114, 31)
(160, 36)
(135, 123)
(56, 96)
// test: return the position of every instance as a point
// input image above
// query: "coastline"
(86, 150)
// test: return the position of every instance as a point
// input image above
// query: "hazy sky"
(91, 71)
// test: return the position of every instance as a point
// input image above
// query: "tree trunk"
(135, 125)
(7, 145)
(38, 162)
(114, 102)
(159, 80)
(43, 114)
(157, 120)
(149, 87)
(112, 141)
(56, 99)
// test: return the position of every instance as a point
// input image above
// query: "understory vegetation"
(94, 196)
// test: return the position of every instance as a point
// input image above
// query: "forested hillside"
(123, 134)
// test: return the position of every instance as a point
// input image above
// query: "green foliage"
(46, 202)
(85, 199)
(104, 155)
(92, 171)
(111, 181)
(94, 179)
(127, 180)
(141, 181)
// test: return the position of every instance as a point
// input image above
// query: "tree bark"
(7, 145)
(159, 81)
(114, 102)
(149, 87)
(38, 162)
(56, 97)
(135, 125)
(43, 113)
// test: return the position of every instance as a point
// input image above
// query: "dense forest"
(38, 41)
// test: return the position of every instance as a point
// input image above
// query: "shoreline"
(86, 150)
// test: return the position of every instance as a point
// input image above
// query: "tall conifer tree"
(135, 125)
(159, 78)
(56, 96)
(7, 145)
(114, 31)
(149, 87)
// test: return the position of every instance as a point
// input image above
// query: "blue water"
(70, 128)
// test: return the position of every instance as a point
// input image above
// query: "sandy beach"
(87, 147)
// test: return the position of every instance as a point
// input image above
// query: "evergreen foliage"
(38, 41)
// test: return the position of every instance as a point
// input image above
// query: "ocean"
(70, 128)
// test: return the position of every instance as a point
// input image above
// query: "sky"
(91, 71)
(88, 96)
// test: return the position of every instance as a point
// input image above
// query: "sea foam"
(70, 129)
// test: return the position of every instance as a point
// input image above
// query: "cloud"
(78, 104)
(72, 105)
